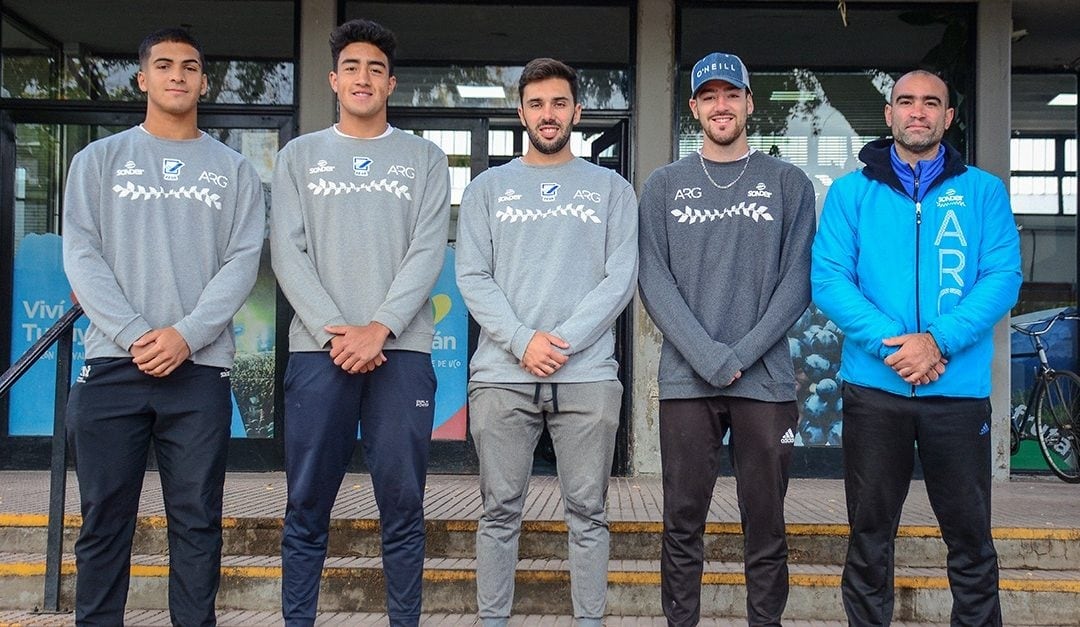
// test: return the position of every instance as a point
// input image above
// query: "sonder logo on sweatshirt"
(321, 167)
(758, 192)
(509, 195)
(129, 169)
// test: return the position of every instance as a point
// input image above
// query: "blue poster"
(449, 354)
(40, 296)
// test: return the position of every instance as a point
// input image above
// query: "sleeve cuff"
(521, 340)
(936, 334)
(133, 331)
(195, 340)
(390, 321)
(728, 365)
(322, 336)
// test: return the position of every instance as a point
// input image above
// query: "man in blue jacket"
(916, 258)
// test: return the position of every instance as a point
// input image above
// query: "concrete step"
(355, 584)
(918, 546)
(244, 618)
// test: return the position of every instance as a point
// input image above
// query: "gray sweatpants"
(506, 423)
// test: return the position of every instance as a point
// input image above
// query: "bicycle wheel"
(1057, 421)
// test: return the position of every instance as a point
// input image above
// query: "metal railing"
(62, 334)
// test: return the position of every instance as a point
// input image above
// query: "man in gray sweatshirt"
(725, 272)
(163, 226)
(358, 231)
(546, 261)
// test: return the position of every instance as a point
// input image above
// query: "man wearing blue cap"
(725, 236)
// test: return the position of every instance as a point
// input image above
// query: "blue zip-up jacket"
(885, 265)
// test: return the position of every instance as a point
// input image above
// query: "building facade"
(821, 71)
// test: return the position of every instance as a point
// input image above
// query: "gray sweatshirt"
(161, 233)
(358, 232)
(725, 273)
(549, 249)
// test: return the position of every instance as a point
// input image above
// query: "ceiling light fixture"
(481, 91)
(792, 96)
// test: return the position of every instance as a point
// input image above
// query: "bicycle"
(1052, 413)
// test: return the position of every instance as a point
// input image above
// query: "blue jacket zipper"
(918, 230)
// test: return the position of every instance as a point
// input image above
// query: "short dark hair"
(178, 35)
(543, 69)
(363, 31)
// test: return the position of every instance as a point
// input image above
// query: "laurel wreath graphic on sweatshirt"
(140, 192)
(325, 188)
(750, 210)
(577, 211)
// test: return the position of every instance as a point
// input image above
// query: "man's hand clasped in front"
(542, 356)
(160, 351)
(358, 349)
(919, 359)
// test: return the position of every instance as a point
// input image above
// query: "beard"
(549, 147)
(919, 144)
(724, 138)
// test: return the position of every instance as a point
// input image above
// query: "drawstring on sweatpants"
(554, 396)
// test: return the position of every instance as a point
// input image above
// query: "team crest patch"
(170, 169)
(361, 166)
(549, 192)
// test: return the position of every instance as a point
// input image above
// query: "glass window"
(228, 82)
(72, 50)
(501, 143)
(1042, 188)
(472, 33)
(496, 87)
(1031, 154)
(1042, 180)
(1034, 194)
(438, 67)
(30, 61)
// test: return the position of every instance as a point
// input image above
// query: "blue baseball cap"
(719, 66)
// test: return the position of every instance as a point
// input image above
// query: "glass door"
(465, 142)
(610, 148)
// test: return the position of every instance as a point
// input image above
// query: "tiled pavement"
(1043, 503)
(148, 618)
